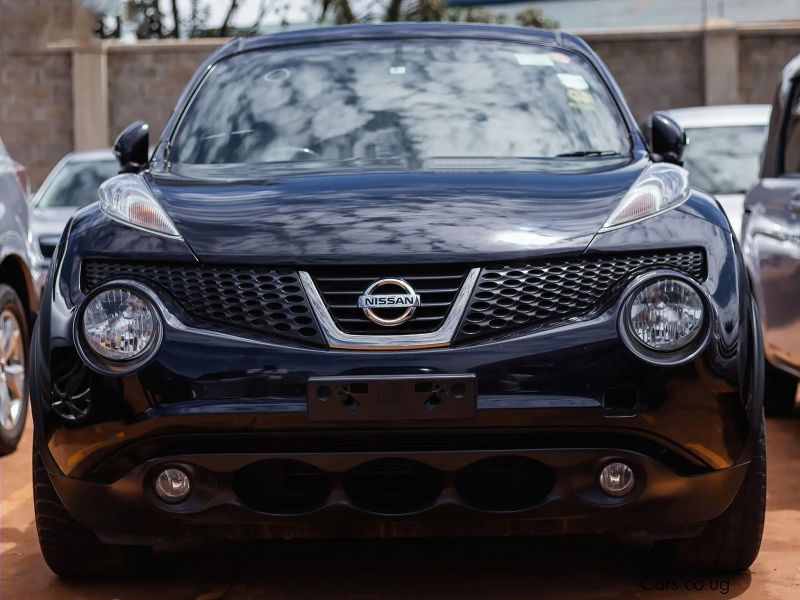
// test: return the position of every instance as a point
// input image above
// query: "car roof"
(731, 115)
(89, 155)
(411, 29)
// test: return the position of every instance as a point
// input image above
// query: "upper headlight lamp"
(120, 326)
(127, 199)
(659, 188)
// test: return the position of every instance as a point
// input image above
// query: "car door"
(772, 233)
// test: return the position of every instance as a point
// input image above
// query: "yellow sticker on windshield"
(580, 99)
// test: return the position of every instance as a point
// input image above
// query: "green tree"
(533, 17)
(158, 19)
(152, 19)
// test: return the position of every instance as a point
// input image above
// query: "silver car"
(724, 150)
(72, 184)
(18, 300)
(771, 245)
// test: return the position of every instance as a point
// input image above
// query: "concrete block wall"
(763, 52)
(655, 69)
(36, 112)
(146, 80)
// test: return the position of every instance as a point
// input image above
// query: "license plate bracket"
(391, 397)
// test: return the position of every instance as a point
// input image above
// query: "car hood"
(392, 217)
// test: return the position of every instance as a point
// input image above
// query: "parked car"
(401, 280)
(18, 300)
(771, 241)
(73, 183)
(724, 151)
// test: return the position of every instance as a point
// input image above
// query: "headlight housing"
(121, 327)
(127, 199)
(664, 318)
(660, 187)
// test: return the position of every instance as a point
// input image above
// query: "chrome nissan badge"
(389, 302)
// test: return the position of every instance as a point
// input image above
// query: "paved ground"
(468, 569)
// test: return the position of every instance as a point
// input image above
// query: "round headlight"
(120, 325)
(666, 314)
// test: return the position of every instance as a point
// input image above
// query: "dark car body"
(771, 238)
(239, 400)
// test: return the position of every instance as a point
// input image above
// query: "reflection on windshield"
(400, 102)
(77, 184)
(724, 160)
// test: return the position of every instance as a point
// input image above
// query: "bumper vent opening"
(282, 487)
(71, 388)
(621, 401)
(504, 483)
(393, 486)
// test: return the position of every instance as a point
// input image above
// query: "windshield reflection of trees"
(445, 99)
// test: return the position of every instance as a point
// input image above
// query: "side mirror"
(667, 139)
(132, 146)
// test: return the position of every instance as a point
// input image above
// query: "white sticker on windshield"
(573, 82)
(534, 60)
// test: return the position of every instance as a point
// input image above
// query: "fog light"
(172, 485)
(617, 479)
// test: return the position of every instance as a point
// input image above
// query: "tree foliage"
(534, 17)
(157, 19)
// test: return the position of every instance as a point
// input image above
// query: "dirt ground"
(412, 569)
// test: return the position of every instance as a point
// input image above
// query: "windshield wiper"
(582, 153)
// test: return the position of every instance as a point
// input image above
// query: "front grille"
(437, 286)
(511, 296)
(506, 297)
(259, 300)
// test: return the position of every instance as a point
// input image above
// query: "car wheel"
(730, 542)
(780, 391)
(71, 550)
(13, 369)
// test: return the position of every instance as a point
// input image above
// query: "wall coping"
(606, 34)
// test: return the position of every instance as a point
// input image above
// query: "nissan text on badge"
(391, 281)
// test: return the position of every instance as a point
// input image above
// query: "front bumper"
(560, 407)
(410, 494)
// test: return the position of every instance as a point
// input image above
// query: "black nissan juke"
(393, 281)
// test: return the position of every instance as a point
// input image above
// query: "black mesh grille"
(256, 299)
(437, 286)
(510, 296)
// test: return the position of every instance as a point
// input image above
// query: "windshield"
(413, 103)
(724, 160)
(76, 184)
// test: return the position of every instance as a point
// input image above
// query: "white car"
(72, 184)
(724, 151)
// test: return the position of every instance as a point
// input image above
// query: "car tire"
(729, 543)
(11, 428)
(71, 550)
(780, 391)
